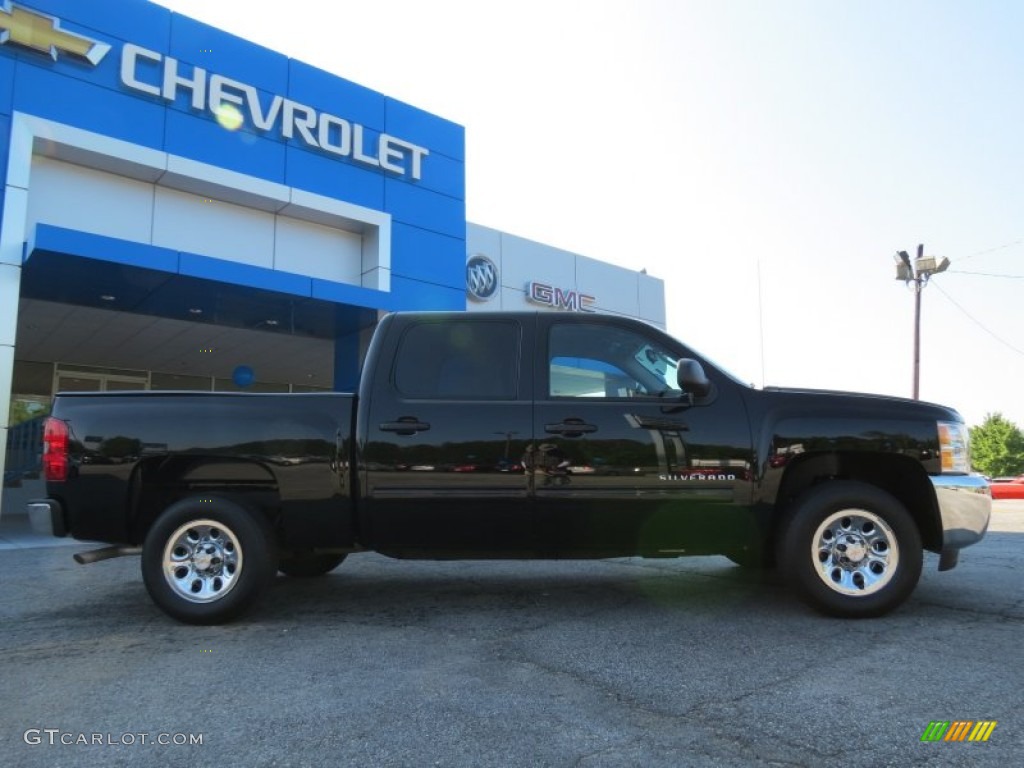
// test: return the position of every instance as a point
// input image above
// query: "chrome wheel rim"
(202, 561)
(855, 552)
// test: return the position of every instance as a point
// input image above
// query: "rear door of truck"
(446, 422)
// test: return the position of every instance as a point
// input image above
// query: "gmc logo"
(568, 301)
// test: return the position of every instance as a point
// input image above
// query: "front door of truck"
(447, 428)
(623, 462)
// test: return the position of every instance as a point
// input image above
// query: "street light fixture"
(918, 273)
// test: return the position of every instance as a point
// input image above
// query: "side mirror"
(692, 379)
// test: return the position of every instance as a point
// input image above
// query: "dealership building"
(183, 209)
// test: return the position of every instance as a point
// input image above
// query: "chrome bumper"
(46, 517)
(965, 506)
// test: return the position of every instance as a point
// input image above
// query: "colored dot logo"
(959, 730)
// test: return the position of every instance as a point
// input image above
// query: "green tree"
(997, 447)
(25, 410)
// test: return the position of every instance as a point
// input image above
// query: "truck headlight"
(954, 447)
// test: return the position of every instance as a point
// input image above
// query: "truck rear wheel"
(308, 565)
(851, 550)
(205, 561)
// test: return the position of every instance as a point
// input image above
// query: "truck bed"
(131, 453)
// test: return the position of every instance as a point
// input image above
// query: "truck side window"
(586, 360)
(459, 361)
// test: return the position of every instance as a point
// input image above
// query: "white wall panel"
(3, 460)
(6, 382)
(376, 279)
(208, 227)
(512, 300)
(524, 260)
(135, 193)
(88, 200)
(613, 288)
(10, 286)
(12, 234)
(652, 299)
(10, 277)
(616, 289)
(483, 240)
(311, 249)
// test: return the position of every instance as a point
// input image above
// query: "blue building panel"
(194, 265)
(440, 135)
(444, 175)
(325, 175)
(7, 68)
(225, 54)
(106, 74)
(143, 23)
(86, 106)
(415, 294)
(5, 141)
(428, 256)
(342, 293)
(199, 138)
(62, 240)
(335, 95)
(425, 209)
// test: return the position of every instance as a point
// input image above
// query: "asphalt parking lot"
(611, 663)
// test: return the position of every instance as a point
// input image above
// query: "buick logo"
(481, 278)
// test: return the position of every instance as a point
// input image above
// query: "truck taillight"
(55, 451)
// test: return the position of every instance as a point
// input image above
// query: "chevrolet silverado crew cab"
(513, 435)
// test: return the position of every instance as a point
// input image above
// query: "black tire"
(206, 560)
(308, 565)
(850, 549)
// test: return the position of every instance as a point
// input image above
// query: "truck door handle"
(570, 428)
(406, 425)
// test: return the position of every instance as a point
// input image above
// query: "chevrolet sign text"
(162, 76)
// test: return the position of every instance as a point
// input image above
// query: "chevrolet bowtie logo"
(42, 33)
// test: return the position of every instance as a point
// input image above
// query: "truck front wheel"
(850, 549)
(207, 560)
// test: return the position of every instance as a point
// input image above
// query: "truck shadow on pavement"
(501, 591)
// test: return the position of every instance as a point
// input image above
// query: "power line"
(990, 250)
(984, 274)
(978, 322)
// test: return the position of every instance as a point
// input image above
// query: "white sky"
(708, 140)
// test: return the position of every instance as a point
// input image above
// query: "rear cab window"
(459, 361)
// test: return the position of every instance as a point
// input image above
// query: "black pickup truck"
(515, 435)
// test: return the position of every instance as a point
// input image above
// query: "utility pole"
(918, 273)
